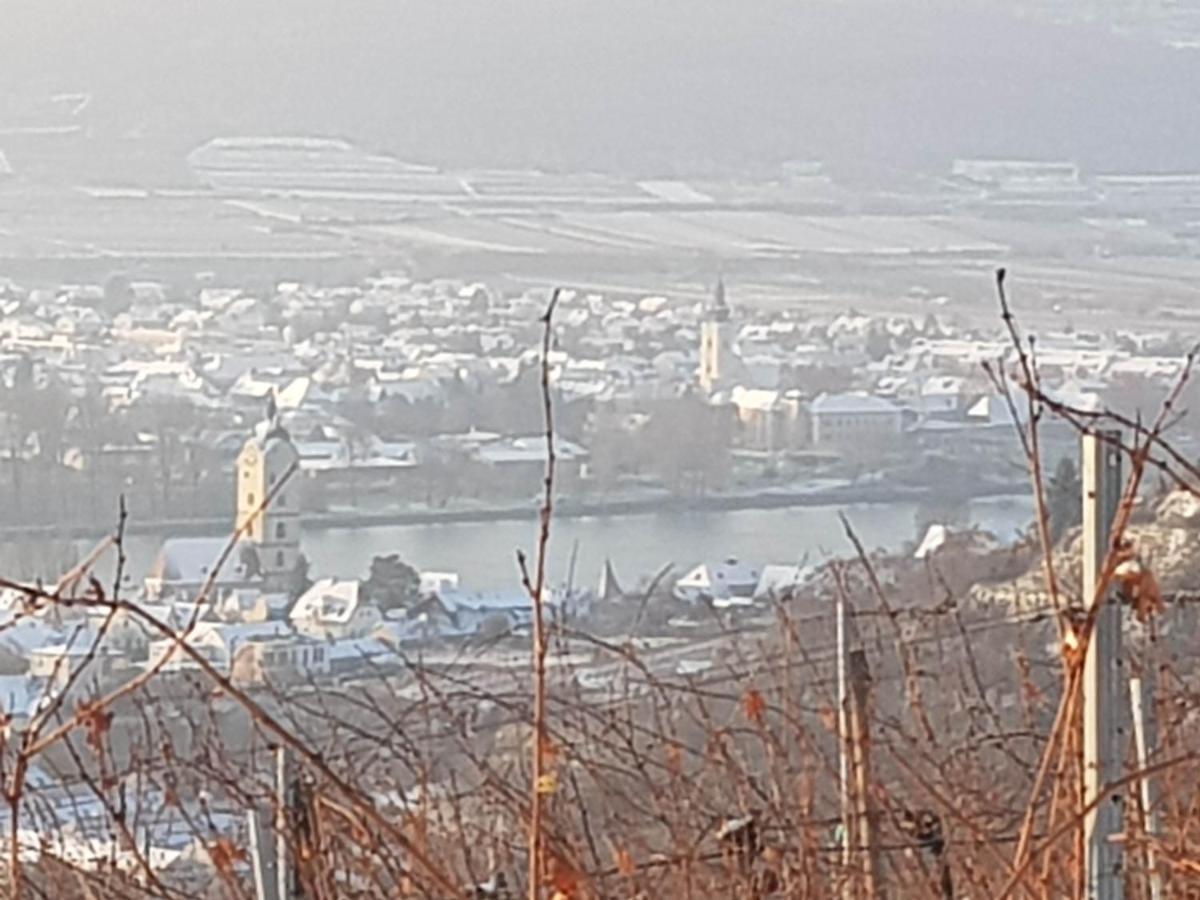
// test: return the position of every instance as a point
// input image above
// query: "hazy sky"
(647, 85)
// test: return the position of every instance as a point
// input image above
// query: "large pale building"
(268, 506)
(855, 422)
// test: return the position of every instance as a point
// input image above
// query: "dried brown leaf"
(96, 721)
(754, 705)
(624, 862)
(225, 854)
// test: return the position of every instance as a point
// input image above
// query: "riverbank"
(823, 494)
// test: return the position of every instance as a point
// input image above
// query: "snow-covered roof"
(720, 579)
(20, 632)
(993, 409)
(435, 582)
(236, 634)
(754, 399)
(939, 536)
(329, 600)
(528, 450)
(486, 601)
(941, 385)
(935, 538)
(190, 560)
(856, 403)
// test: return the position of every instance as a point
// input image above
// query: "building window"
(280, 531)
(279, 559)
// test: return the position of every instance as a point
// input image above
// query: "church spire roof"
(271, 425)
(718, 307)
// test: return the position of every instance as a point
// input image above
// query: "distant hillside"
(650, 85)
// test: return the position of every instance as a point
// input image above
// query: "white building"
(335, 609)
(279, 659)
(943, 395)
(217, 642)
(854, 421)
(730, 582)
(56, 663)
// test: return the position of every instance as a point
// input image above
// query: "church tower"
(716, 345)
(274, 528)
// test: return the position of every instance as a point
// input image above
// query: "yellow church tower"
(273, 527)
(716, 350)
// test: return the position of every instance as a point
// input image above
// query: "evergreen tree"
(392, 583)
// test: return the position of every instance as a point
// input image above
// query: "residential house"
(334, 609)
(128, 633)
(519, 463)
(473, 611)
(944, 396)
(455, 612)
(251, 605)
(278, 658)
(55, 663)
(217, 642)
(729, 582)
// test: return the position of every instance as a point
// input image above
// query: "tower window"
(280, 531)
(279, 559)
(249, 499)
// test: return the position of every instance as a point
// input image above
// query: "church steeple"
(272, 423)
(718, 307)
(716, 348)
(268, 508)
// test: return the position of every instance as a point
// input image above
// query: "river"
(484, 553)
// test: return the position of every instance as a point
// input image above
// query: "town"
(405, 397)
(572, 451)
